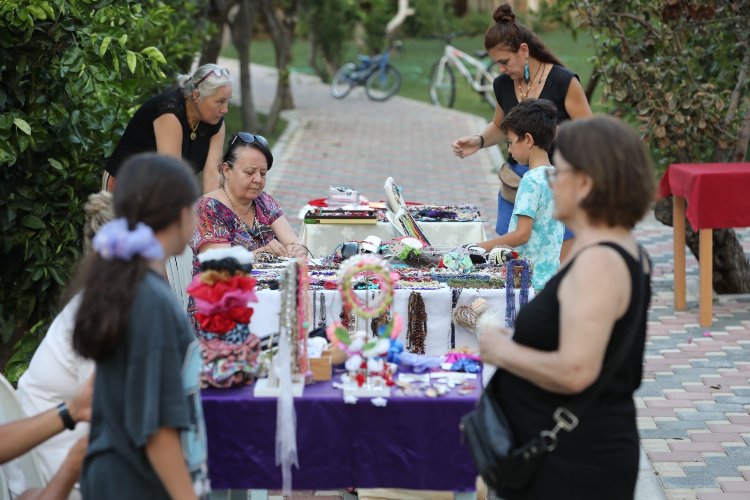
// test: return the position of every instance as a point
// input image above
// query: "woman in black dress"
(186, 122)
(603, 185)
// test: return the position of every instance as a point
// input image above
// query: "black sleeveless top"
(555, 89)
(139, 136)
(603, 449)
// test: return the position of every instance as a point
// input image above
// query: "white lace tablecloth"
(322, 239)
(438, 306)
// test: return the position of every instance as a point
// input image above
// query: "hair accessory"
(115, 241)
(373, 268)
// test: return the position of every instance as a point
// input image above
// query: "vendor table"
(413, 442)
(716, 195)
(438, 307)
(322, 239)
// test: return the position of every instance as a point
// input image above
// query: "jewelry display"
(369, 373)
(222, 293)
(524, 277)
(417, 326)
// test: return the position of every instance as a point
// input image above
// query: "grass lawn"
(418, 56)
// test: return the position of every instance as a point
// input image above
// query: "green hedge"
(71, 75)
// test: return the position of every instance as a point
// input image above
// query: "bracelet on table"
(481, 141)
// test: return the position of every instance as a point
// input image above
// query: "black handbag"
(503, 463)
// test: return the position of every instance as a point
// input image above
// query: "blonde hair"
(99, 211)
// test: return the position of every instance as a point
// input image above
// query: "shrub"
(72, 72)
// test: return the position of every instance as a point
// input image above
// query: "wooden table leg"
(678, 225)
(705, 242)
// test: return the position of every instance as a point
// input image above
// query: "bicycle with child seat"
(479, 75)
(380, 79)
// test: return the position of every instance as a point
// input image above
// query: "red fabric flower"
(215, 323)
(214, 293)
(360, 378)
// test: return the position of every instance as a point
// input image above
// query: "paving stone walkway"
(693, 406)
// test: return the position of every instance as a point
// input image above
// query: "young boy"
(530, 128)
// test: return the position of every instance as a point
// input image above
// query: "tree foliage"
(679, 69)
(72, 72)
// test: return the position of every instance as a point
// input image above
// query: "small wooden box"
(322, 368)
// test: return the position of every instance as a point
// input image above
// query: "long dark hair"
(511, 34)
(152, 189)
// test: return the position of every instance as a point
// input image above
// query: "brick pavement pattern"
(693, 404)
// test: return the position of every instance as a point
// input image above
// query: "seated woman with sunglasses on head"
(240, 212)
(186, 122)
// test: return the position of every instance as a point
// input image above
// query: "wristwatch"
(68, 422)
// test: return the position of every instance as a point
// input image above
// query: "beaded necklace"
(256, 224)
(525, 94)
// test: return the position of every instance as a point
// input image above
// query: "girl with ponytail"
(147, 435)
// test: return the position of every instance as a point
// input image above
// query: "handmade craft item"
(466, 316)
(223, 292)
(399, 215)
(524, 281)
(368, 374)
(417, 330)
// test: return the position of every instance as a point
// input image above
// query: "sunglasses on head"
(249, 138)
(217, 72)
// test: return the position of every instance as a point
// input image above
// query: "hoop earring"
(526, 71)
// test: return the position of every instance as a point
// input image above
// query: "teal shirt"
(534, 199)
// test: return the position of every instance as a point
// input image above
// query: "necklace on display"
(193, 128)
(525, 94)
(256, 225)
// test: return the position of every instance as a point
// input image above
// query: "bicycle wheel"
(343, 82)
(442, 84)
(383, 84)
(489, 96)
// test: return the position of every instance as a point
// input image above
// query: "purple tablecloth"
(413, 442)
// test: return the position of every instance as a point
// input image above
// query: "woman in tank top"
(594, 306)
(528, 70)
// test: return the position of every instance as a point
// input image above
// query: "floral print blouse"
(217, 223)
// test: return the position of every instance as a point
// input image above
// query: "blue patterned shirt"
(534, 199)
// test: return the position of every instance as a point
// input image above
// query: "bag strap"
(566, 417)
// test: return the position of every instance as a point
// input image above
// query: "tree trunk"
(241, 26)
(592, 83)
(217, 15)
(281, 26)
(731, 269)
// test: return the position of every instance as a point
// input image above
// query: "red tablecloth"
(717, 194)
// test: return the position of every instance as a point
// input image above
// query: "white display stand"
(266, 388)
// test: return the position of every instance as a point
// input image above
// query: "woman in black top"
(187, 122)
(528, 70)
(603, 185)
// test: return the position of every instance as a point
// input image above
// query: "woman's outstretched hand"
(466, 146)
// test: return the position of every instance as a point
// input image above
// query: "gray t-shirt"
(150, 380)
